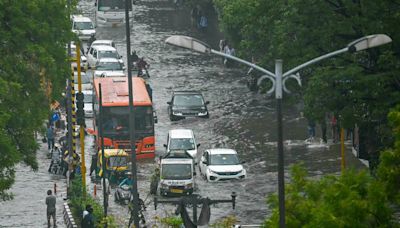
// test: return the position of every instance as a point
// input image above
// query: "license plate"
(174, 190)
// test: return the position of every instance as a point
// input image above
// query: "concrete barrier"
(68, 219)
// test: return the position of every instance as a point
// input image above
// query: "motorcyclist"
(91, 39)
(127, 181)
(134, 58)
(142, 65)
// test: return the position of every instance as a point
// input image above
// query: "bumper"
(217, 177)
(175, 191)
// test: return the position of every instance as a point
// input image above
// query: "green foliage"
(350, 200)
(170, 221)
(79, 202)
(32, 64)
(226, 222)
(389, 168)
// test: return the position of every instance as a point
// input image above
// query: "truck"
(177, 171)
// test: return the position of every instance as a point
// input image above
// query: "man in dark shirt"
(51, 208)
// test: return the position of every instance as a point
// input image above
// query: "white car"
(86, 81)
(221, 164)
(109, 67)
(83, 27)
(73, 55)
(102, 43)
(182, 139)
(98, 52)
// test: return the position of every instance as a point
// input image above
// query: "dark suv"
(187, 104)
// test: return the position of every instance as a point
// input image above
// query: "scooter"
(122, 194)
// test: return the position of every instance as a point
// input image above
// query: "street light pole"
(135, 197)
(278, 80)
(281, 161)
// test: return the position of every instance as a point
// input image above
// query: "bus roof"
(115, 91)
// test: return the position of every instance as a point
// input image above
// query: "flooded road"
(239, 119)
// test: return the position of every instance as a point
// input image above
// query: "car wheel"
(172, 117)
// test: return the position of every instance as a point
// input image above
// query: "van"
(182, 139)
(97, 52)
(177, 173)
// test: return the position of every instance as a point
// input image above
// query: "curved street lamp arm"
(242, 61)
(312, 61)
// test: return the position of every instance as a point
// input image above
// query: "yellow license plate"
(173, 190)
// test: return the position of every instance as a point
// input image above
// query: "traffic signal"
(80, 113)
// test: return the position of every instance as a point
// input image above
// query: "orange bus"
(115, 106)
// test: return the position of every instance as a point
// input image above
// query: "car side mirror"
(165, 145)
(198, 145)
(207, 102)
(169, 102)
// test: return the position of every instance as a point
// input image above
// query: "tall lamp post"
(135, 195)
(278, 84)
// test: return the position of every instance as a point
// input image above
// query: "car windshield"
(117, 161)
(108, 54)
(188, 100)
(108, 66)
(176, 171)
(88, 98)
(224, 159)
(181, 144)
(83, 25)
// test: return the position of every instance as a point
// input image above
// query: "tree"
(34, 34)
(350, 200)
(359, 88)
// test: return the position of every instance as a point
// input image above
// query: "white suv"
(221, 164)
(182, 139)
(97, 52)
(83, 27)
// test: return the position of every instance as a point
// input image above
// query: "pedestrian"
(311, 129)
(50, 137)
(86, 211)
(93, 164)
(227, 50)
(88, 220)
(334, 127)
(323, 130)
(194, 15)
(203, 23)
(51, 208)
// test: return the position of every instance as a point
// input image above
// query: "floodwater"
(239, 119)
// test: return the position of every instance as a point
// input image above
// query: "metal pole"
(82, 126)
(343, 160)
(281, 170)
(69, 132)
(103, 160)
(135, 197)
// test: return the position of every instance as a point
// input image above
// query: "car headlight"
(188, 186)
(211, 172)
(202, 113)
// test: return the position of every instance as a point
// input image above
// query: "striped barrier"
(68, 219)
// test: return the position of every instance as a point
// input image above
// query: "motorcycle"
(123, 194)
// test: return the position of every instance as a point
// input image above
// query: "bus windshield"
(116, 122)
(106, 5)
